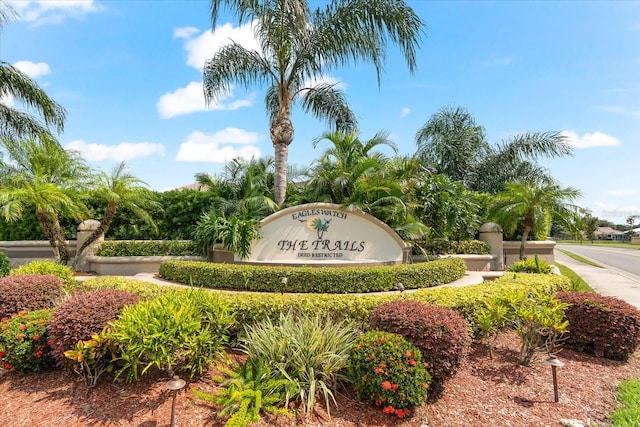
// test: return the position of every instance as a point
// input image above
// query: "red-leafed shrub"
(29, 292)
(441, 334)
(603, 326)
(83, 315)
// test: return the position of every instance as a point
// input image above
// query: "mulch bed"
(484, 392)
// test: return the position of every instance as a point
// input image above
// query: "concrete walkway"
(605, 281)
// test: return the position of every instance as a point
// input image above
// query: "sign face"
(322, 233)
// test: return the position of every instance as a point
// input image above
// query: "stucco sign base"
(325, 234)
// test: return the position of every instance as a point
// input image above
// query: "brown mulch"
(483, 392)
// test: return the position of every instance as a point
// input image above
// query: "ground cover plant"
(251, 383)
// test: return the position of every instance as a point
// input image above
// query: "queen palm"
(531, 206)
(14, 123)
(43, 176)
(297, 47)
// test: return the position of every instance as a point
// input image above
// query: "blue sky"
(129, 74)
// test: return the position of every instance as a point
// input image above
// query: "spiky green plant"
(248, 391)
(310, 351)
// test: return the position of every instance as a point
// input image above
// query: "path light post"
(175, 385)
(555, 363)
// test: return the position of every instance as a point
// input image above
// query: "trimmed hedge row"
(251, 307)
(147, 248)
(313, 279)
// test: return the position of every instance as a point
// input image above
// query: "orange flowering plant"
(23, 342)
(388, 371)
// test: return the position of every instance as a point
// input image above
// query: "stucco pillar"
(491, 234)
(84, 231)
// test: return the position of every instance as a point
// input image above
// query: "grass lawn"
(628, 413)
(607, 243)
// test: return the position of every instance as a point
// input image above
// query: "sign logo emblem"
(318, 225)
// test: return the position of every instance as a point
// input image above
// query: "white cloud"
(405, 112)
(53, 11)
(220, 147)
(205, 45)
(123, 151)
(622, 192)
(190, 99)
(185, 32)
(590, 140)
(33, 69)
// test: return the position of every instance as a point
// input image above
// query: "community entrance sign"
(322, 233)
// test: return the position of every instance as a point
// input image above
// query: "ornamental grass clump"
(388, 371)
(23, 342)
(441, 334)
(310, 351)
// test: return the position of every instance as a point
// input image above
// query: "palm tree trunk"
(53, 232)
(523, 242)
(281, 137)
(109, 214)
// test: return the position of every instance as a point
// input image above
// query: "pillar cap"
(490, 227)
(88, 224)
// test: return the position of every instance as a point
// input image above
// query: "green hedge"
(251, 307)
(313, 279)
(147, 248)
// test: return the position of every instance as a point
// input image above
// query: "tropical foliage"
(532, 207)
(42, 176)
(17, 86)
(452, 143)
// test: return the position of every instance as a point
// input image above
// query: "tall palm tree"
(532, 207)
(14, 123)
(297, 47)
(452, 143)
(43, 176)
(119, 189)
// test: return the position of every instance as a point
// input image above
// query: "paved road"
(610, 280)
(624, 261)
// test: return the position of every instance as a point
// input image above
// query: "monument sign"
(322, 233)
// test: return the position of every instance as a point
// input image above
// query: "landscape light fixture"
(555, 363)
(175, 385)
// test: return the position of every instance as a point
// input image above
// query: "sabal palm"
(532, 207)
(42, 175)
(120, 188)
(297, 47)
(16, 124)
